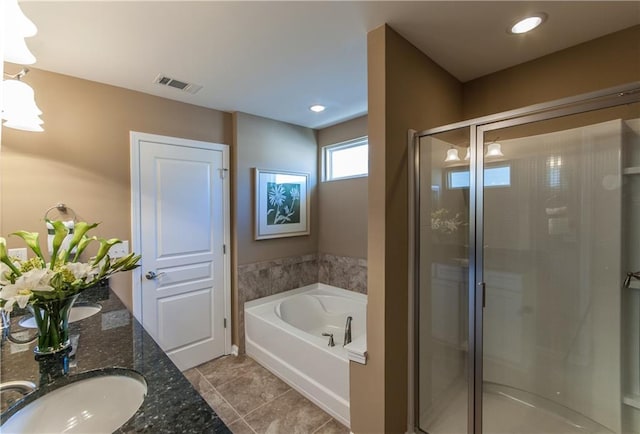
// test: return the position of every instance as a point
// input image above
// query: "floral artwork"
(282, 206)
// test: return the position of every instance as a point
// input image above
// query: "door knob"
(152, 275)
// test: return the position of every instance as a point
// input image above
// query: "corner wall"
(406, 90)
(82, 157)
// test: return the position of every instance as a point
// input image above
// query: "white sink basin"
(97, 404)
(78, 312)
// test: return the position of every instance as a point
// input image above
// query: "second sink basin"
(98, 402)
(79, 311)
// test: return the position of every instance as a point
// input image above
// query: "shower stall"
(526, 225)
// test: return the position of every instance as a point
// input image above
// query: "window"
(346, 160)
(498, 176)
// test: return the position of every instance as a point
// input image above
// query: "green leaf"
(60, 232)
(106, 269)
(31, 239)
(105, 246)
(4, 257)
(84, 242)
(79, 231)
(126, 263)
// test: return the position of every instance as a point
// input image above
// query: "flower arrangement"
(443, 222)
(49, 288)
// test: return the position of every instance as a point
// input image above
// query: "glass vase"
(52, 320)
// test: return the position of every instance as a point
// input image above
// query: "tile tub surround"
(343, 271)
(266, 278)
(250, 399)
(113, 338)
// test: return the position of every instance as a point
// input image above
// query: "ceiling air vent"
(177, 84)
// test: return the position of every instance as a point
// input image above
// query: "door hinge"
(483, 285)
(223, 173)
(224, 249)
(225, 323)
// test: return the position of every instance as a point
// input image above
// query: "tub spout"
(331, 342)
(347, 332)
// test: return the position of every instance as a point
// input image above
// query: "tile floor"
(251, 400)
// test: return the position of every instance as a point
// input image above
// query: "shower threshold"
(507, 410)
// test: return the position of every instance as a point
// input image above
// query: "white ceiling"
(275, 59)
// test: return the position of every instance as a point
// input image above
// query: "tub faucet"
(330, 336)
(347, 332)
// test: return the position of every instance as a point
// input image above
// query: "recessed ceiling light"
(528, 23)
(317, 108)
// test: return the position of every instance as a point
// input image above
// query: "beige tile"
(227, 368)
(290, 413)
(213, 398)
(192, 375)
(248, 392)
(332, 427)
(240, 427)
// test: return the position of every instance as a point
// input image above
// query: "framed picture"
(281, 204)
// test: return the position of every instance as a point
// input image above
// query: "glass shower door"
(552, 256)
(442, 358)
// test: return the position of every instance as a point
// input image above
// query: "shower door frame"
(610, 97)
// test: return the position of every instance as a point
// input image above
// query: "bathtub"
(283, 332)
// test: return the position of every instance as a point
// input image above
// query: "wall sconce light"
(19, 109)
(452, 155)
(17, 27)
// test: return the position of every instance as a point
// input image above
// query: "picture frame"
(281, 204)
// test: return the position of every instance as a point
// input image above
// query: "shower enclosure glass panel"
(553, 271)
(443, 304)
(525, 321)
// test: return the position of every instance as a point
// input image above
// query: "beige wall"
(398, 75)
(82, 157)
(342, 204)
(268, 144)
(604, 62)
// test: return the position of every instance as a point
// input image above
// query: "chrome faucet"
(347, 332)
(631, 275)
(330, 336)
(23, 387)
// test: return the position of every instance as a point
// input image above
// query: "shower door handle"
(483, 287)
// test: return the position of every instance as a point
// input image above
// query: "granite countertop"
(108, 339)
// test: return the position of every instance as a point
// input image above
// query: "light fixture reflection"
(494, 150)
(468, 154)
(452, 155)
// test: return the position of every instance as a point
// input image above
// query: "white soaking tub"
(283, 332)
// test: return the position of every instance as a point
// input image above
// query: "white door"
(182, 296)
